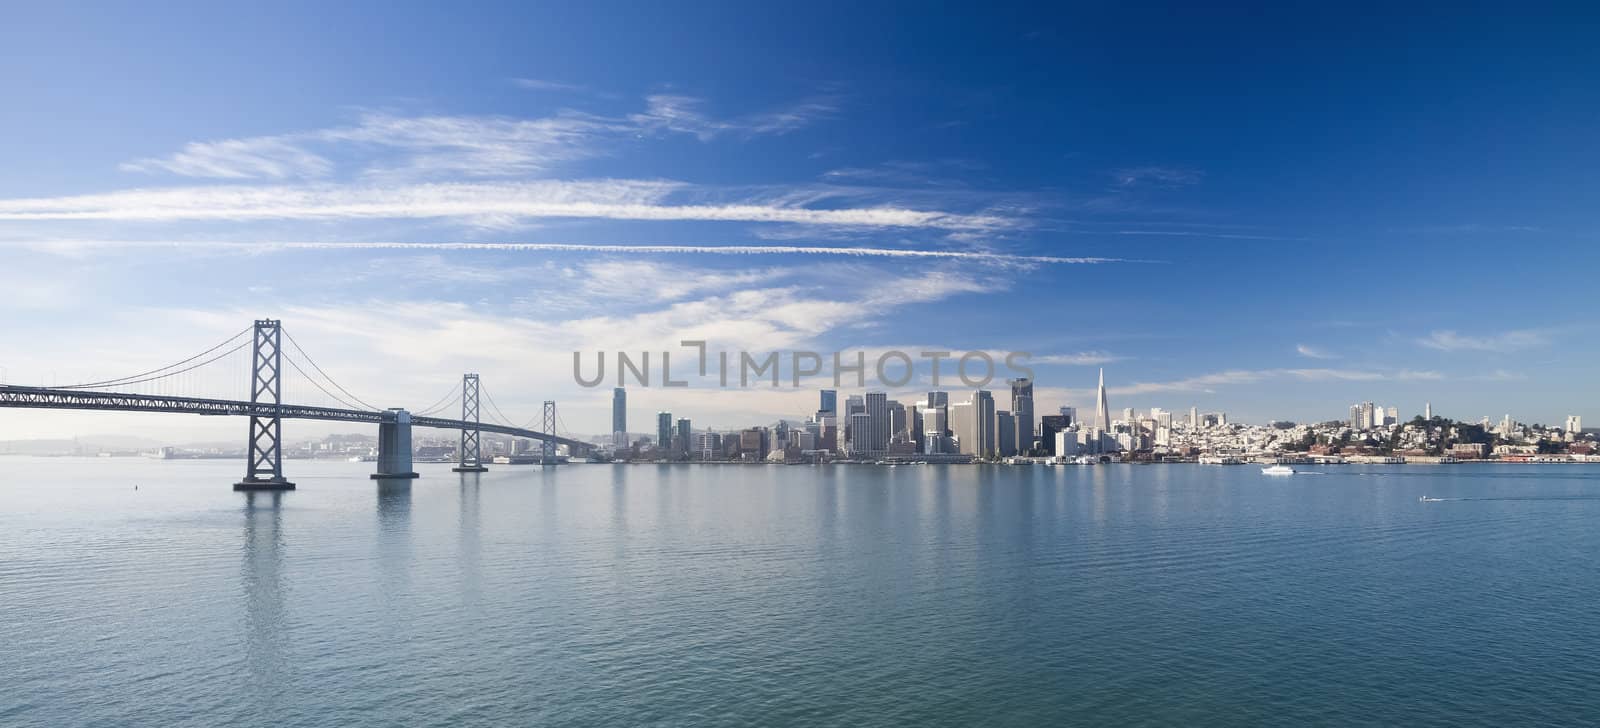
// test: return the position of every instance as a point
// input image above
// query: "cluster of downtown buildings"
(873, 427)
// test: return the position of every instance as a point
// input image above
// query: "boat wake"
(1429, 499)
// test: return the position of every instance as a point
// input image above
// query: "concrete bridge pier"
(394, 447)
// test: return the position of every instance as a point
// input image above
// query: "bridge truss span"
(77, 399)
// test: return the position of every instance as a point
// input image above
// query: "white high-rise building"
(973, 423)
(933, 427)
(1574, 424)
(1427, 410)
(1102, 413)
(1194, 418)
(983, 402)
(1507, 425)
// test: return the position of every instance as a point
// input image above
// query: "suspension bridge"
(160, 390)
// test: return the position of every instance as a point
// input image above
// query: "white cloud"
(275, 157)
(534, 84)
(1233, 377)
(522, 201)
(1447, 340)
(1082, 358)
(81, 248)
(461, 145)
(1153, 176)
(384, 144)
(682, 114)
(1312, 352)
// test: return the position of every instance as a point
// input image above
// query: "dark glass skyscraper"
(663, 431)
(1022, 411)
(619, 417)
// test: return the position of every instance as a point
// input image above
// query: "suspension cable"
(314, 383)
(442, 403)
(119, 383)
(313, 363)
(123, 380)
(504, 420)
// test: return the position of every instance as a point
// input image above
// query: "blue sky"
(1290, 209)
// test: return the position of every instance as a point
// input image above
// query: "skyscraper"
(829, 402)
(1005, 432)
(681, 442)
(1574, 424)
(1102, 413)
(898, 424)
(983, 414)
(1194, 418)
(876, 439)
(1022, 411)
(619, 417)
(860, 429)
(663, 431)
(933, 426)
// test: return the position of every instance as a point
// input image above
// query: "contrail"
(980, 256)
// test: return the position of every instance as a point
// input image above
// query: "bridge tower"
(264, 466)
(547, 447)
(469, 459)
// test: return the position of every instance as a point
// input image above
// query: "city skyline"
(495, 211)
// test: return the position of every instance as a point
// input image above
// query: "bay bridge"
(266, 409)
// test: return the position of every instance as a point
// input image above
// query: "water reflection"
(394, 535)
(468, 528)
(262, 580)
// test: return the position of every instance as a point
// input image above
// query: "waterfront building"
(1022, 411)
(983, 401)
(619, 418)
(753, 444)
(663, 431)
(963, 426)
(933, 428)
(1006, 431)
(681, 442)
(1049, 427)
(898, 427)
(1102, 413)
(876, 438)
(860, 434)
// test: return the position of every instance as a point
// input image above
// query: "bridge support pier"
(394, 447)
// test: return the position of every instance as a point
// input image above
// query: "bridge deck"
(48, 398)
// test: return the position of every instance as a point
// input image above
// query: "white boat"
(1277, 470)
